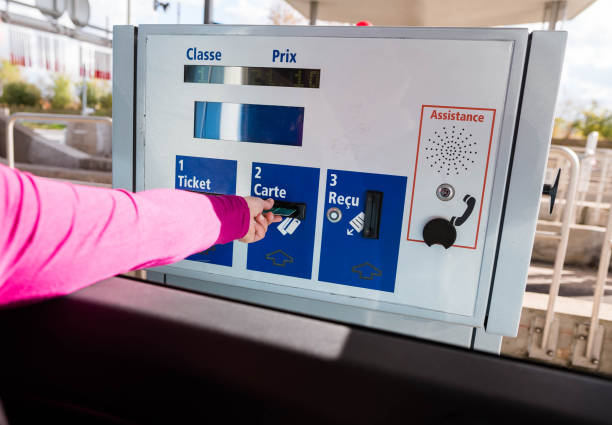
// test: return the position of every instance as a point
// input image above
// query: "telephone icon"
(471, 202)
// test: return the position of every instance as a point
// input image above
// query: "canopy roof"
(436, 12)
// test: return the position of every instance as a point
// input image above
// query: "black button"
(439, 231)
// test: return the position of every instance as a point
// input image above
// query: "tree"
(595, 119)
(281, 14)
(9, 73)
(62, 92)
(93, 93)
(20, 93)
(106, 101)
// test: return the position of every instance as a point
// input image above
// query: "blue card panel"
(288, 246)
(208, 175)
(347, 257)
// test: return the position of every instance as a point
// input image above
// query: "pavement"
(576, 282)
(56, 135)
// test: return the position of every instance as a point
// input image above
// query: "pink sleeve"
(58, 237)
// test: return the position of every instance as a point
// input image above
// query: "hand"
(259, 222)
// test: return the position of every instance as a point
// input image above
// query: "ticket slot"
(299, 209)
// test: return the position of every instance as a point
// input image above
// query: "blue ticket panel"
(208, 175)
(288, 245)
(347, 257)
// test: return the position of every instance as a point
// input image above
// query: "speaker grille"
(451, 150)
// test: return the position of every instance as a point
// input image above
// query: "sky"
(587, 73)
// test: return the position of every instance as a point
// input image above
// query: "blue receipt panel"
(347, 257)
(288, 246)
(208, 175)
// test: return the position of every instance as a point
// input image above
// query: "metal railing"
(562, 236)
(595, 332)
(39, 117)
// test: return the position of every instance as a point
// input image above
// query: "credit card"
(283, 212)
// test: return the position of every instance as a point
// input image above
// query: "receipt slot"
(370, 205)
(408, 163)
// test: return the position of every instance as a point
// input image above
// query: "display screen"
(253, 76)
(238, 122)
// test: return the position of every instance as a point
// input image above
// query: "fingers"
(261, 226)
(268, 203)
(260, 231)
(271, 218)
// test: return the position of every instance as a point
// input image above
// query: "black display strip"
(253, 76)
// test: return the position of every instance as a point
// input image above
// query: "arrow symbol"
(349, 232)
(366, 271)
(279, 258)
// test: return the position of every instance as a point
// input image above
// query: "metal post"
(602, 274)
(314, 9)
(554, 13)
(84, 90)
(568, 217)
(586, 169)
(129, 12)
(208, 11)
(178, 13)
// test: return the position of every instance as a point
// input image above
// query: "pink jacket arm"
(57, 237)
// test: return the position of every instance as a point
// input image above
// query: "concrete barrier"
(32, 148)
(573, 316)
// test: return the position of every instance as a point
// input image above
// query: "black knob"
(439, 231)
(551, 190)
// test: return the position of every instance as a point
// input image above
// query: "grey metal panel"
(123, 106)
(443, 33)
(484, 341)
(518, 35)
(155, 276)
(501, 175)
(428, 329)
(523, 197)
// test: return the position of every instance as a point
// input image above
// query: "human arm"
(57, 237)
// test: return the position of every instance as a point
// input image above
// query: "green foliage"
(62, 92)
(93, 93)
(44, 126)
(106, 101)
(595, 119)
(9, 73)
(20, 93)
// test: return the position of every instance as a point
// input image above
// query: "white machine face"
(389, 155)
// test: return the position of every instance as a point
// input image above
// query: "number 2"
(257, 172)
(334, 179)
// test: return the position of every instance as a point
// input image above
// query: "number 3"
(334, 179)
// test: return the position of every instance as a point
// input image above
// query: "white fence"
(583, 198)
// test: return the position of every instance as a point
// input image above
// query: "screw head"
(582, 337)
(445, 192)
(538, 330)
(595, 361)
(550, 353)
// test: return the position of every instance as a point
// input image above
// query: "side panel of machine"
(124, 94)
(524, 190)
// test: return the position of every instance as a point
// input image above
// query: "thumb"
(268, 204)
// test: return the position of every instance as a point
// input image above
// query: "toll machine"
(408, 163)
